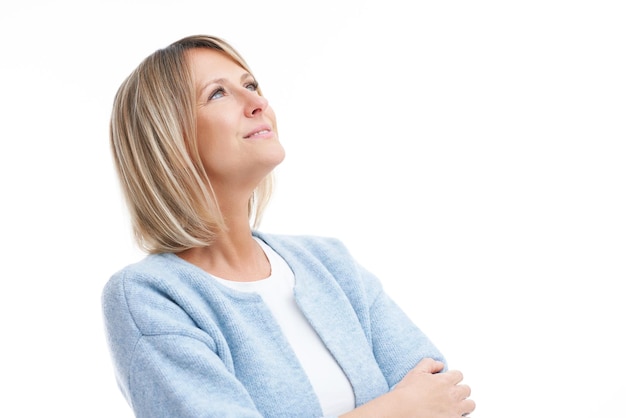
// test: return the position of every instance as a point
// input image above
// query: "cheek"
(216, 144)
(213, 133)
(216, 160)
(269, 112)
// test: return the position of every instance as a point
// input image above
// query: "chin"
(278, 154)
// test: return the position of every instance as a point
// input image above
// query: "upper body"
(185, 345)
(195, 144)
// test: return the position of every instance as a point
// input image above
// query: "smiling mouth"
(259, 133)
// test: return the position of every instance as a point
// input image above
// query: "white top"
(328, 380)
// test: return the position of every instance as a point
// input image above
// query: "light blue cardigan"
(184, 345)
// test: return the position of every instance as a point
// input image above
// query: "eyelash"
(253, 84)
(216, 91)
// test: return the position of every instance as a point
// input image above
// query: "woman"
(220, 320)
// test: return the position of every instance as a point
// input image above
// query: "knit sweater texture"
(183, 345)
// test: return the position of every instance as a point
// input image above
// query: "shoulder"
(313, 251)
(322, 255)
(152, 272)
(155, 294)
(306, 245)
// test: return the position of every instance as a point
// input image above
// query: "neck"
(234, 255)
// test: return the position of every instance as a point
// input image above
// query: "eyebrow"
(243, 77)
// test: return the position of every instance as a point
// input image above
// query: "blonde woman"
(219, 319)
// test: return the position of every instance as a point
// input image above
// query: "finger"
(429, 365)
(467, 407)
(462, 392)
(455, 376)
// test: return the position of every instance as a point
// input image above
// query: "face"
(236, 128)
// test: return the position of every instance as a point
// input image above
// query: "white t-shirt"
(328, 380)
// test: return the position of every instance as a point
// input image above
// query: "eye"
(252, 86)
(217, 93)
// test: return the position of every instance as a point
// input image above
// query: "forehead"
(206, 64)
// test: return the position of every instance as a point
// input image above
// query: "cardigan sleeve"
(179, 376)
(397, 342)
(165, 366)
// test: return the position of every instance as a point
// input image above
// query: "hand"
(423, 393)
(429, 393)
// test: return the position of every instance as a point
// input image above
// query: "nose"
(255, 104)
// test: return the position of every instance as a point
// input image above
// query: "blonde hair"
(153, 139)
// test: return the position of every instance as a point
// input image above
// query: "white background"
(470, 153)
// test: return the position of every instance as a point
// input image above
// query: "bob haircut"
(153, 139)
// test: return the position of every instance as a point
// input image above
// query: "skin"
(423, 393)
(239, 146)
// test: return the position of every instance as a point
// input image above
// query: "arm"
(425, 392)
(166, 366)
(180, 376)
(414, 368)
(397, 342)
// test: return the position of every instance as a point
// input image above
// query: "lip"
(260, 132)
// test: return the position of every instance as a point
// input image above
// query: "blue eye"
(252, 86)
(217, 93)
